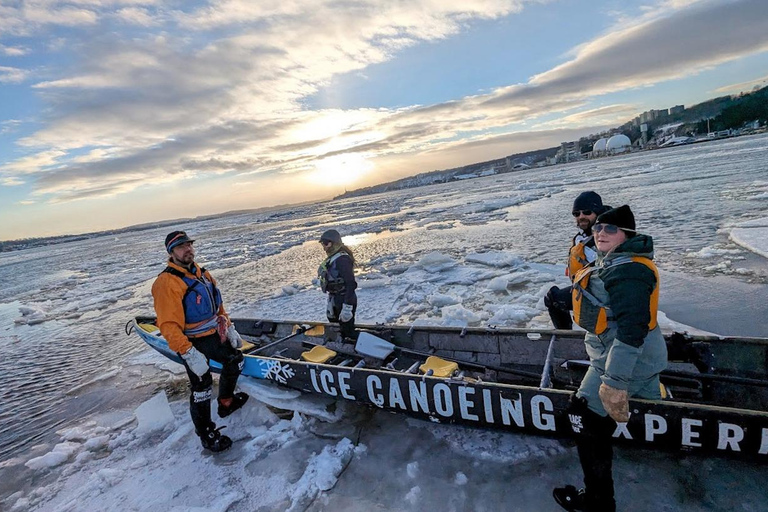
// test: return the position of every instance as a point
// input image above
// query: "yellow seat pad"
(439, 367)
(318, 354)
(149, 327)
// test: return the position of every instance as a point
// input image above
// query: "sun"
(340, 169)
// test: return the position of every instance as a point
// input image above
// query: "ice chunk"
(154, 414)
(458, 315)
(97, 443)
(322, 472)
(291, 289)
(109, 477)
(713, 252)
(412, 469)
(460, 479)
(439, 300)
(222, 504)
(510, 314)
(413, 495)
(498, 284)
(31, 316)
(752, 235)
(373, 282)
(59, 455)
(493, 259)
(435, 262)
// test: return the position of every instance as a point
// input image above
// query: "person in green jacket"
(616, 301)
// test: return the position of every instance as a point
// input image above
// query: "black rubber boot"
(577, 500)
(214, 440)
(237, 402)
(593, 435)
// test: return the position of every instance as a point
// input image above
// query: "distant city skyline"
(121, 112)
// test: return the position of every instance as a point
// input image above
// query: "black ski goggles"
(610, 229)
(576, 213)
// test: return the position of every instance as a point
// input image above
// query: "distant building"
(568, 152)
(677, 109)
(651, 115)
(599, 148)
(618, 144)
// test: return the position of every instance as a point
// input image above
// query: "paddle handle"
(546, 380)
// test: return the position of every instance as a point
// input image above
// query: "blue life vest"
(201, 302)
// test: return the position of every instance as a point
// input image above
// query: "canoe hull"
(668, 425)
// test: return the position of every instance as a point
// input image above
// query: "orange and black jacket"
(187, 303)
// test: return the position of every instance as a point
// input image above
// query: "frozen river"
(478, 252)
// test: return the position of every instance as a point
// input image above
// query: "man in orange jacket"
(192, 319)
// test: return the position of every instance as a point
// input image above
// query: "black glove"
(559, 298)
(550, 297)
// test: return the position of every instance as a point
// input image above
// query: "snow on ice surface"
(502, 243)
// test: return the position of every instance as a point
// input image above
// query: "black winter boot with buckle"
(237, 402)
(578, 500)
(213, 440)
(570, 498)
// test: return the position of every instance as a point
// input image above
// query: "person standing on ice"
(586, 207)
(337, 279)
(616, 301)
(192, 319)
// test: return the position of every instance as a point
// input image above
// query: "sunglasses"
(326, 242)
(576, 213)
(610, 229)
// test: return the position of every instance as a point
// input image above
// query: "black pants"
(231, 360)
(347, 329)
(594, 442)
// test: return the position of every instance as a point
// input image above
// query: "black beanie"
(174, 239)
(589, 200)
(621, 217)
(331, 236)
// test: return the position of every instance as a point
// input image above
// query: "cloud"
(608, 116)
(9, 126)
(13, 51)
(29, 17)
(742, 86)
(664, 48)
(138, 16)
(12, 75)
(11, 181)
(226, 96)
(33, 163)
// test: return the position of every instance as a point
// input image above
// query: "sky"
(122, 112)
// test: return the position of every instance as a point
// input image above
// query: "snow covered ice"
(100, 422)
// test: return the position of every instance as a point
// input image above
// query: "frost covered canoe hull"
(501, 396)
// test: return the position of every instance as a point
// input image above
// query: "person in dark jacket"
(337, 279)
(586, 207)
(192, 319)
(616, 301)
